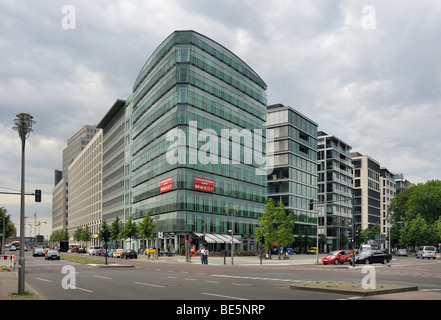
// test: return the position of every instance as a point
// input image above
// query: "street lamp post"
(233, 213)
(23, 124)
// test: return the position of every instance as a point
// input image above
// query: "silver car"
(426, 252)
(52, 255)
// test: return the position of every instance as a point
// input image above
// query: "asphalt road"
(170, 279)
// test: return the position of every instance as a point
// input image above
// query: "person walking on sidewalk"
(203, 255)
(206, 256)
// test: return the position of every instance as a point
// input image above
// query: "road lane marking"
(253, 278)
(222, 296)
(43, 279)
(149, 284)
(103, 277)
(82, 289)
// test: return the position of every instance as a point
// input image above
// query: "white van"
(365, 247)
(426, 252)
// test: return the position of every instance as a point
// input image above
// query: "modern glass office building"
(335, 183)
(192, 127)
(294, 178)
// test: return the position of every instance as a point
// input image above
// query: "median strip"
(351, 287)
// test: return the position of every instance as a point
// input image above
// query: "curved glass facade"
(192, 87)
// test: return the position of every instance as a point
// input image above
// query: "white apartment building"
(85, 188)
(335, 179)
(388, 191)
(367, 191)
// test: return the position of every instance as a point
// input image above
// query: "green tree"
(371, 233)
(146, 228)
(115, 230)
(129, 230)
(78, 234)
(425, 200)
(9, 226)
(104, 227)
(415, 212)
(87, 235)
(62, 235)
(277, 224)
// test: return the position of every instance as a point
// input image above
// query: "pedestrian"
(206, 257)
(203, 255)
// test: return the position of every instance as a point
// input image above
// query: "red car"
(336, 257)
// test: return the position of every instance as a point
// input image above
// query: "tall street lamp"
(23, 124)
(233, 214)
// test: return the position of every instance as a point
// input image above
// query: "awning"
(218, 238)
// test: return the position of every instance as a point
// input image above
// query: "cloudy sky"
(368, 72)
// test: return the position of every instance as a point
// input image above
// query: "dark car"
(129, 253)
(372, 256)
(81, 250)
(38, 252)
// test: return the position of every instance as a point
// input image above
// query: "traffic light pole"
(37, 194)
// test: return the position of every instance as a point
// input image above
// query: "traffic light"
(262, 238)
(37, 195)
(106, 235)
(311, 204)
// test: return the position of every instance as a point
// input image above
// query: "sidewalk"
(242, 261)
(9, 288)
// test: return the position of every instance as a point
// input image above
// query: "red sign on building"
(204, 185)
(166, 185)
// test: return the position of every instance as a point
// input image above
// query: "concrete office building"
(113, 126)
(85, 189)
(294, 177)
(60, 194)
(335, 179)
(189, 91)
(367, 201)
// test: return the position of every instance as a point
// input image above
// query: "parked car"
(74, 249)
(371, 256)
(110, 253)
(117, 253)
(95, 250)
(129, 253)
(426, 252)
(52, 255)
(401, 253)
(81, 250)
(12, 248)
(336, 257)
(312, 250)
(38, 252)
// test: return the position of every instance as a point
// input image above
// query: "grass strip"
(79, 259)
